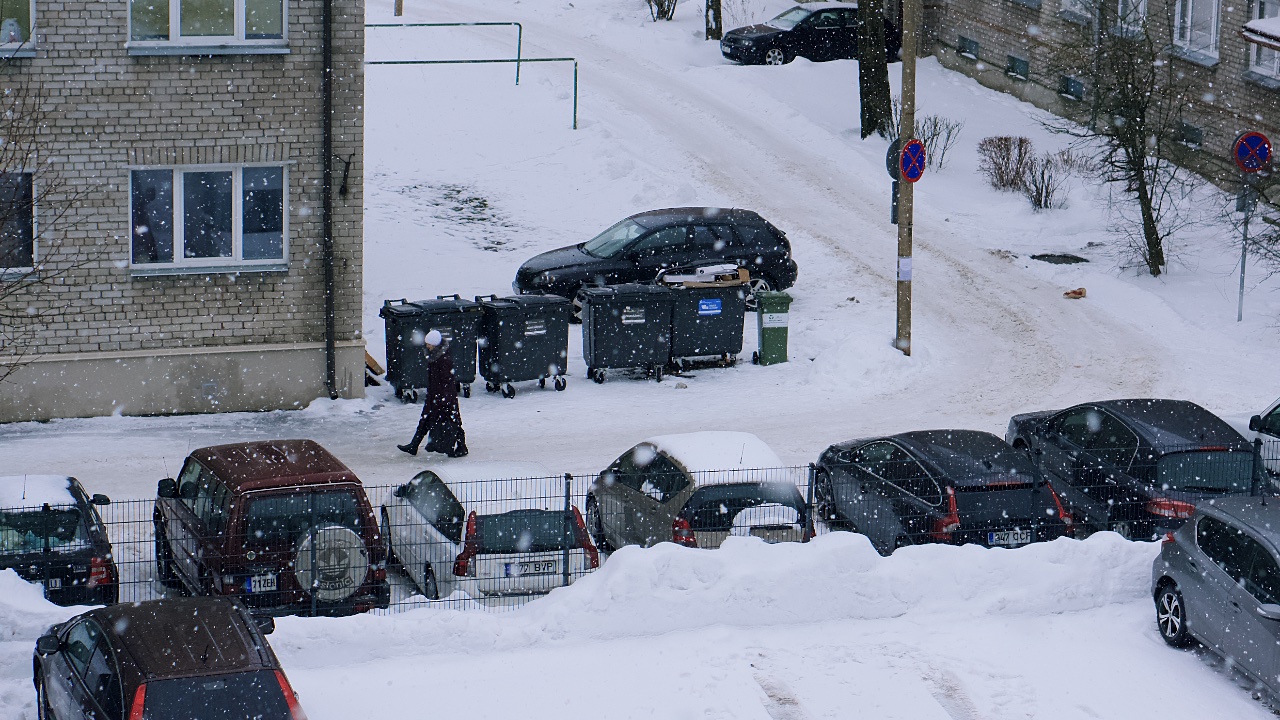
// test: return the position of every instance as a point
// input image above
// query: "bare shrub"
(1004, 160)
(740, 13)
(939, 134)
(1043, 180)
(662, 9)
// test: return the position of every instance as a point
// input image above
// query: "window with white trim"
(209, 216)
(1131, 14)
(206, 22)
(1264, 60)
(17, 222)
(17, 21)
(1195, 25)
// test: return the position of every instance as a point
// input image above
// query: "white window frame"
(236, 43)
(1130, 14)
(13, 273)
(26, 48)
(235, 263)
(1272, 68)
(1178, 25)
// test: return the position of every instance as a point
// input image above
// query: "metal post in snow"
(519, 47)
(1246, 202)
(1255, 479)
(315, 540)
(568, 526)
(906, 205)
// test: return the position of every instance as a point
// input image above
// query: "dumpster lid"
(449, 303)
(522, 301)
(626, 290)
(398, 308)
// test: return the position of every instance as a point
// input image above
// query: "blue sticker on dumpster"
(709, 306)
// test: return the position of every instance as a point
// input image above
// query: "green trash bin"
(772, 311)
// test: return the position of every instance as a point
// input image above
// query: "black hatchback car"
(1137, 467)
(937, 486)
(51, 533)
(815, 31)
(648, 243)
(178, 659)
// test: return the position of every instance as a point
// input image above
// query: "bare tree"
(32, 261)
(662, 9)
(1135, 98)
(715, 21)
(873, 69)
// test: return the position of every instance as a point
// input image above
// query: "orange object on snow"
(1074, 294)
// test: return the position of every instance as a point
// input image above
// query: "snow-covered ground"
(467, 175)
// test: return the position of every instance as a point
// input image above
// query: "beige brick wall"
(109, 109)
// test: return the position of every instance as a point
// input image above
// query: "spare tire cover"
(342, 561)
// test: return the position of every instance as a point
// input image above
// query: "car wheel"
(776, 56)
(429, 586)
(596, 526)
(1171, 616)
(385, 529)
(824, 498)
(757, 283)
(164, 558)
(43, 710)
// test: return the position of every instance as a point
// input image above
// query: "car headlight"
(542, 279)
(747, 42)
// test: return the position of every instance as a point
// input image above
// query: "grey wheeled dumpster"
(407, 324)
(523, 337)
(707, 321)
(625, 326)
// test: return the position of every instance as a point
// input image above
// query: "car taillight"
(584, 539)
(682, 532)
(809, 532)
(379, 571)
(949, 523)
(1164, 507)
(1168, 538)
(1067, 518)
(101, 572)
(290, 697)
(462, 565)
(139, 697)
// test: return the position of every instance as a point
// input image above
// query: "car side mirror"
(48, 644)
(266, 624)
(99, 499)
(401, 491)
(1255, 423)
(1269, 611)
(168, 488)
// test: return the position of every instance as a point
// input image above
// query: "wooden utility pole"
(910, 43)
(399, 8)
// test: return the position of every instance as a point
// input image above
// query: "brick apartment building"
(1008, 44)
(187, 261)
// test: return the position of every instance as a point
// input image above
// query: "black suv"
(814, 31)
(51, 533)
(646, 244)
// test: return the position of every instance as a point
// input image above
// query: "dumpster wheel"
(466, 390)
(410, 396)
(755, 358)
(561, 383)
(508, 391)
(596, 374)
(490, 386)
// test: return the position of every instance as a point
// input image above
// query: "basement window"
(1190, 135)
(1070, 88)
(967, 47)
(1018, 68)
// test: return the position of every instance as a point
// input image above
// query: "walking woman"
(441, 422)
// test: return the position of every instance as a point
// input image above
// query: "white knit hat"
(433, 338)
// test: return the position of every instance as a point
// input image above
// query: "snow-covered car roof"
(1263, 31)
(494, 487)
(827, 5)
(716, 457)
(25, 491)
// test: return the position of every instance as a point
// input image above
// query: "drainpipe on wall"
(326, 152)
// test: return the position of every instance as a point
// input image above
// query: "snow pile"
(24, 613)
(1264, 30)
(713, 450)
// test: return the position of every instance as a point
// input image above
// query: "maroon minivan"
(283, 525)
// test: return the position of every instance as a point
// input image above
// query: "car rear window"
(1205, 471)
(437, 505)
(760, 238)
(237, 696)
(283, 518)
(27, 530)
(713, 508)
(521, 531)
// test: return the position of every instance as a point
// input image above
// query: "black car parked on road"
(640, 247)
(1137, 467)
(815, 31)
(178, 659)
(937, 486)
(51, 533)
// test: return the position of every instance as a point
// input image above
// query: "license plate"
(54, 583)
(539, 567)
(261, 583)
(1009, 537)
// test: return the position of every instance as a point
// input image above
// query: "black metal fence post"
(315, 540)
(1255, 481)
(808, 496)
(568, 524)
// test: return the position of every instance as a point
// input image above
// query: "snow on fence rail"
(447, 540)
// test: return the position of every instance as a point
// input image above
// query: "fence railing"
(477, 543)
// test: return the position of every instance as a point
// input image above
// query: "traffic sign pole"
(910, 23)
(1252, 153)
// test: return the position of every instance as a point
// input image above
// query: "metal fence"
(459, 542)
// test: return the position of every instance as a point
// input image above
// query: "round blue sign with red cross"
(1252, 152)
(911, 161)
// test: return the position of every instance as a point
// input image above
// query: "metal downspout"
(326, 152)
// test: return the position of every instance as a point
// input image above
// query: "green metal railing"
(519, 33)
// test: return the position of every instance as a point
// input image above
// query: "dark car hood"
(557, 259)
(751, 31)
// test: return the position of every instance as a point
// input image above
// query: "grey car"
(1217, 581)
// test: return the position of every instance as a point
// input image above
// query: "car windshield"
(612, 241)
(282, 518)
(789, 19)
(521, 531)
(253, 695)
(28, 530)
(713, 508)
(1205, 471)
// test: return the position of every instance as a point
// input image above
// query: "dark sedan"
(648, 243)
(1137, 467)
(815, 31)
(937, 486)
(51, 533)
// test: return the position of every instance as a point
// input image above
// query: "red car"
(283, 525)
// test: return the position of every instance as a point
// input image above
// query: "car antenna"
(24, 486)
(743, 453)
(204, 656)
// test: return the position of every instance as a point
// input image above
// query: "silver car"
(486, 529)
(1217, 581)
